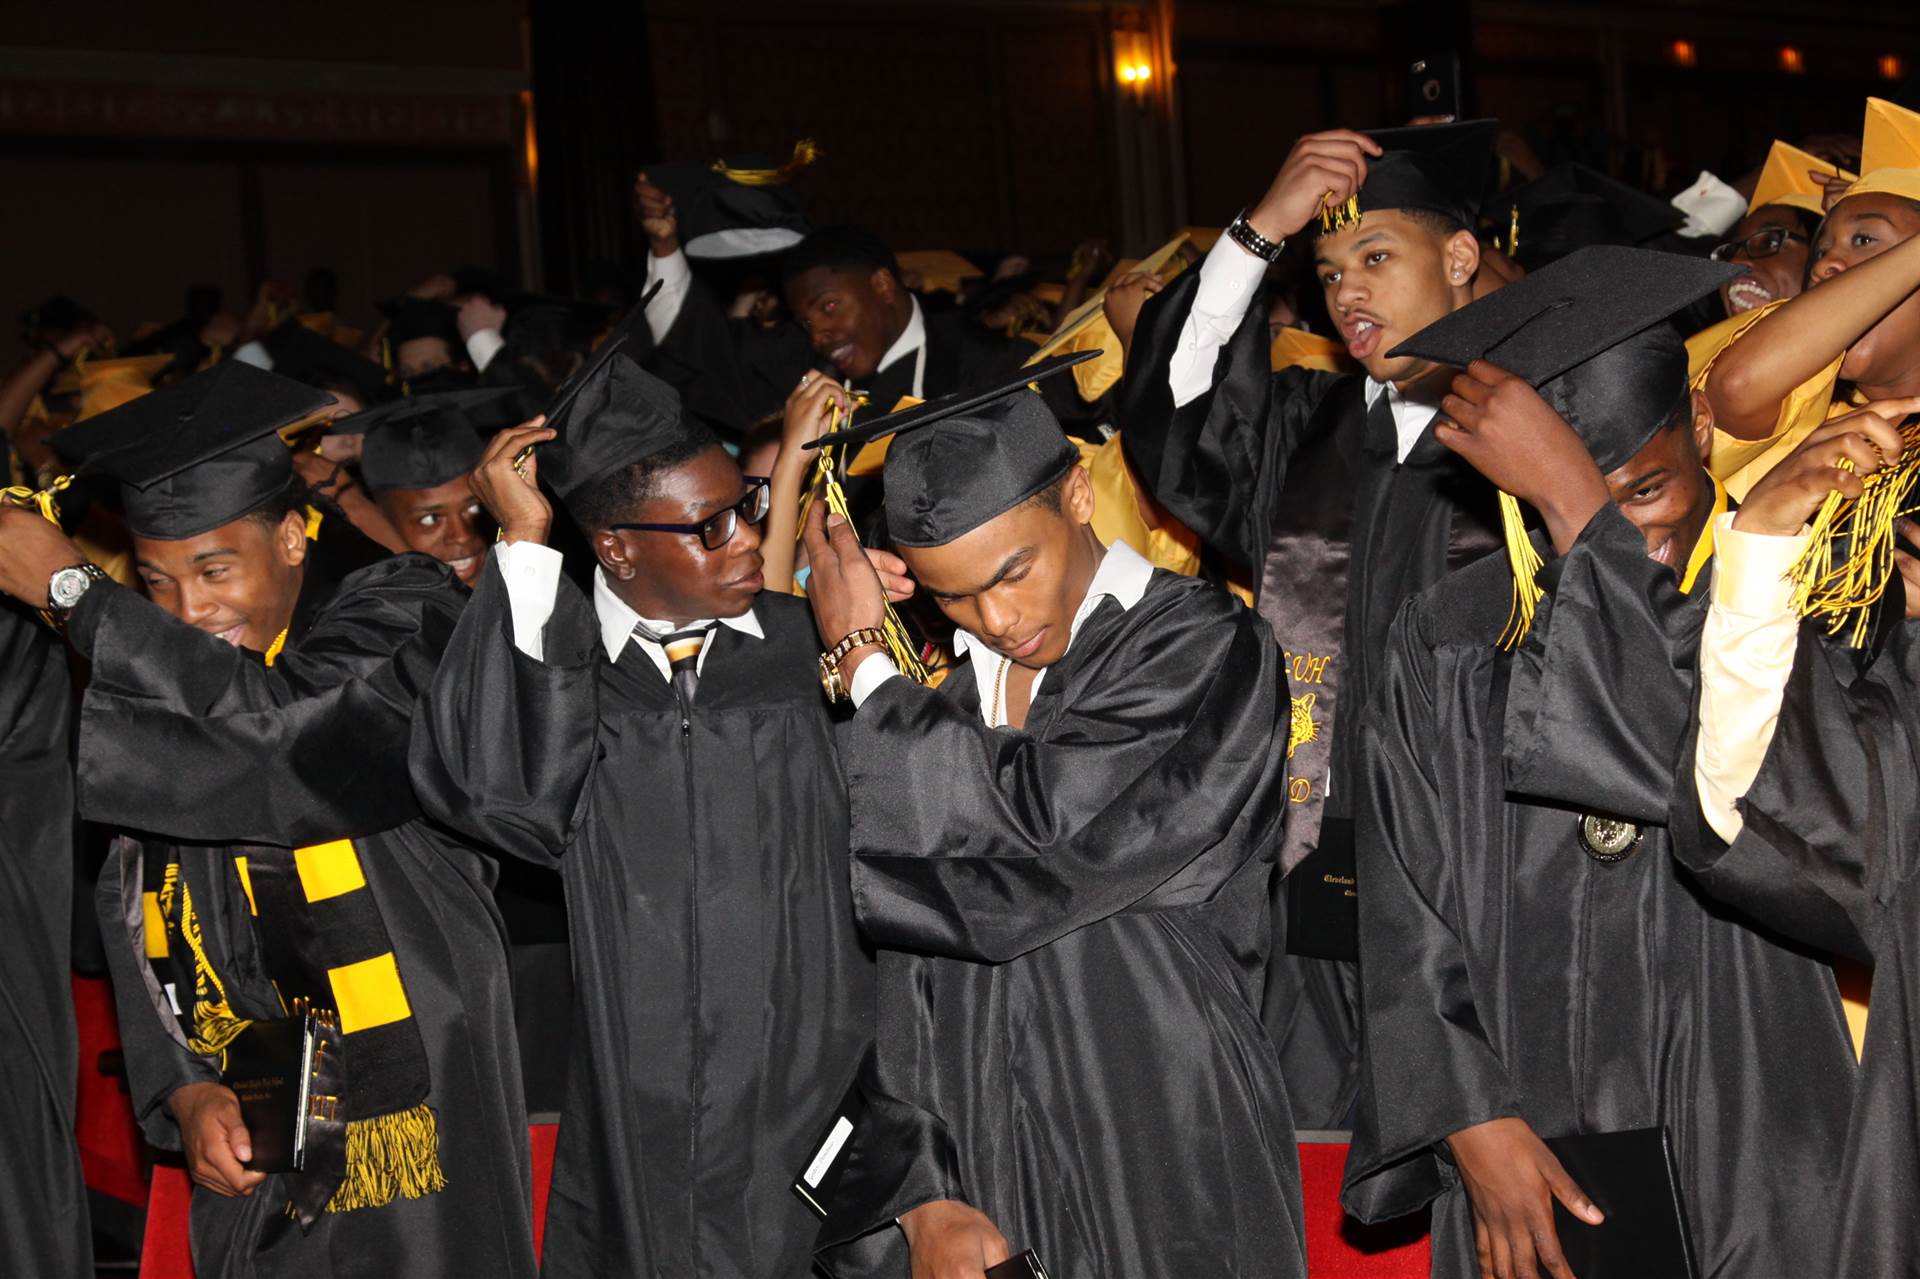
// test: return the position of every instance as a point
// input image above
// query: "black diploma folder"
(269, 1067)
(1631, 1176)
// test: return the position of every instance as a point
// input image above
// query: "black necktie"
(683, 659)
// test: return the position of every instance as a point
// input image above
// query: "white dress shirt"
(912, 341)
(1228, 278)
(482, 346)
(532, 573)
(1122, 576)
(675, 277)
(1746, 657)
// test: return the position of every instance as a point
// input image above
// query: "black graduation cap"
(305, 356)
(1441, 168)
(424, 441)
(996, 447)
(54, 318)
(1587, 331)
(411, 317)
(723, 218)
(198, 454)
(538, 323)
(611, 413)
(1571, 207)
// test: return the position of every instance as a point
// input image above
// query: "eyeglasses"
(1761, 244)
(718, 529)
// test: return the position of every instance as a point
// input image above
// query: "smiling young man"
(1329, 488)
(1533, 963)
(250, 721)
(666, 746)
(1063, 854)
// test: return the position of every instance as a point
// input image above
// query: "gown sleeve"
(503, 744)
(1011, 841)
(1828, 822)
(1428, 1067)
(1215, 462)
(183, 732)
(1602, 687)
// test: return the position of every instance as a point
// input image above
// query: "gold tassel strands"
(1338, 217)
(805, 152)
(1848, 563)
(46, 500)
(1513, 232)
(390, 1157)
(826, 485)
(1526, 564)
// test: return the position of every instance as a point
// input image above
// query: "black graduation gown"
(1291, 475)
(182, 735)
(43, 1197)
(1073, 924)
(1827, 854)
(724, 998)
(731, 373)
(1512, 974)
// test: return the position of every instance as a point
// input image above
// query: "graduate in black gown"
(1329, 488)
(666, 745)
(245, 726)
(1533, 963)
(43, 1198)
(1064, 854)
(1800, 805)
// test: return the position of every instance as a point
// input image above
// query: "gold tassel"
(45, 499)
(390, 1157)
(805, 152)
(1526, 564)
(1513, 232)
(1339, 217)
(1848, 563)
(826, 484)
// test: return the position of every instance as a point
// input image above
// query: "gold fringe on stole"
(214, 1023)
(1526, 564)
(390, 1157)
(805, 152)
(1848, 563)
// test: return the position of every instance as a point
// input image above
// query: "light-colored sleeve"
(676, 278)
(1746, 656)
(1228, 279)
(255, 354)
(873, 672)
(532, 574)
(482, 346)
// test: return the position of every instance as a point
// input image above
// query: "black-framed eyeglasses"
(718, 529)
(1761, 244)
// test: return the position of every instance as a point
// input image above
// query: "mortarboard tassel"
(1513, 233)
(805, 152)
(1526, 564)
(1848, 563)
(826, 485)
(1339, 217)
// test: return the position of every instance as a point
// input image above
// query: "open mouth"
(1747, 294)
(1662, 554)
(841, 355)
(466, 567)
(1363, 334)
(232, 635)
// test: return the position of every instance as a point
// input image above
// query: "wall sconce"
(1682, 53)
(1790, 60)
(1133, 59)
(1892, 67)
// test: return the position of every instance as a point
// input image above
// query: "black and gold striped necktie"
(683, 658)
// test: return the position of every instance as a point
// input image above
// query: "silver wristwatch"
(1241, 232)
(68, 584)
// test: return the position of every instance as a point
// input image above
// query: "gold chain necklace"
(999, 684)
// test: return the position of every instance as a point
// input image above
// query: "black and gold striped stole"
(325, 946)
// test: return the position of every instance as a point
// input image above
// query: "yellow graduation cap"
(940, 270)
(1297, 348)
(1787, 178)
(137, 370)
(1889, 152)
(1203, 238)
(1086, 328)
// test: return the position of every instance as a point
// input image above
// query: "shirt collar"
(911, 338)
(1122, 576)
(617, 620)
(1411, 417)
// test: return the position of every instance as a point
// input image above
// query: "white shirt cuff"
(532, 573)
(482, 346)
(1712, 207)
(676, 278)
(1228, 278)
(255, 354)
(873, 672)
(1746, 657)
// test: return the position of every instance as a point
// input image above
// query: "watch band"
(1241, 232)
(55, 615)
(830, 660)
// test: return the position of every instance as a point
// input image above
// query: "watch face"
(67, 586)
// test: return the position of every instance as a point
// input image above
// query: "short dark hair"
(838, 248)
(296, 496)
(613, 497)
(1440, 224)
(1053, 498)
